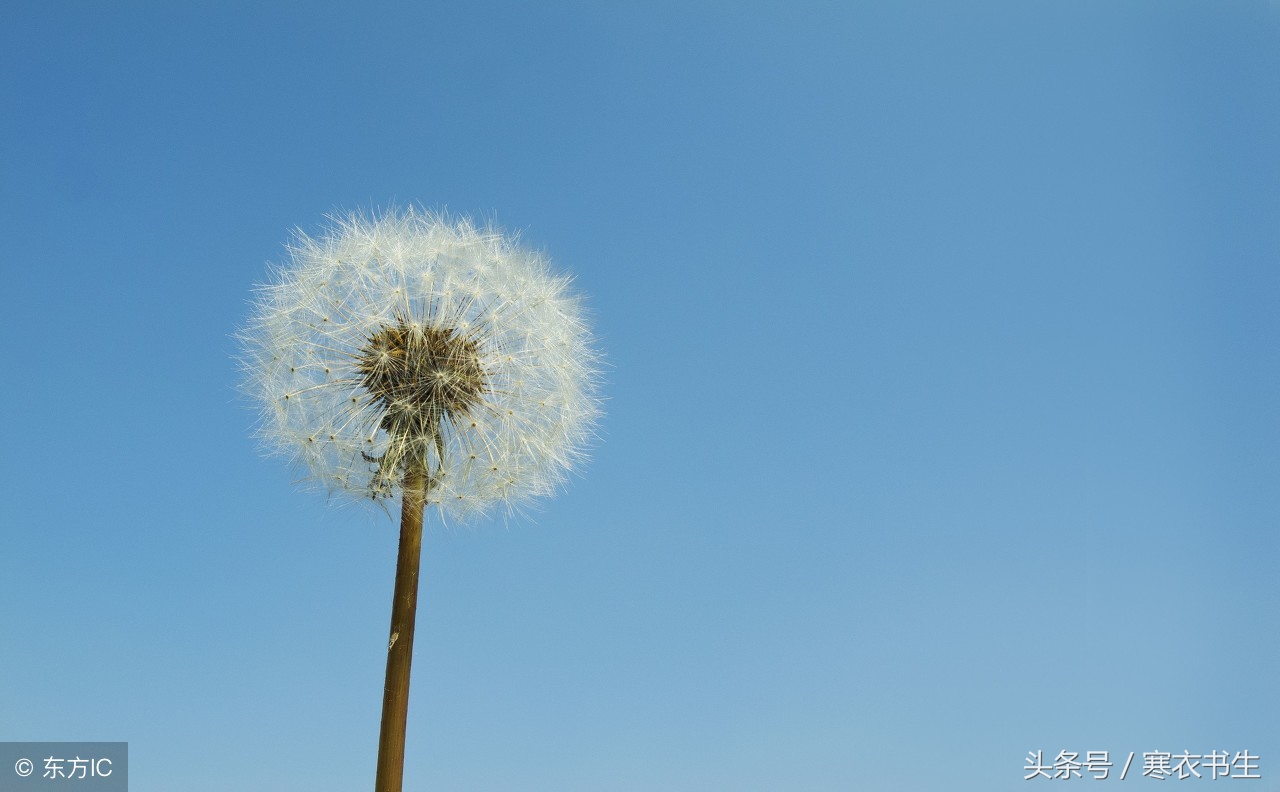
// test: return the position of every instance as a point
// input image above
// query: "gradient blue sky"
(942, 419)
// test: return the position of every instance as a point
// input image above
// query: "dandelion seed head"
(413, 340)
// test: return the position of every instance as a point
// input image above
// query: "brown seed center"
(422, 376)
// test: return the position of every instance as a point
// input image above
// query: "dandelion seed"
(423, 374)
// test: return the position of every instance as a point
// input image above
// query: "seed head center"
(421, 375)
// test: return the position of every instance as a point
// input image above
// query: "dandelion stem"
(404, 608)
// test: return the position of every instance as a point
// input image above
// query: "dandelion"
(419, 357)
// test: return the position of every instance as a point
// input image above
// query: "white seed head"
(413, 341)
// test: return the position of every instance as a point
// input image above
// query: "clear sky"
(942, 424)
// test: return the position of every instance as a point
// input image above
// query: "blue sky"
(942, 418)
